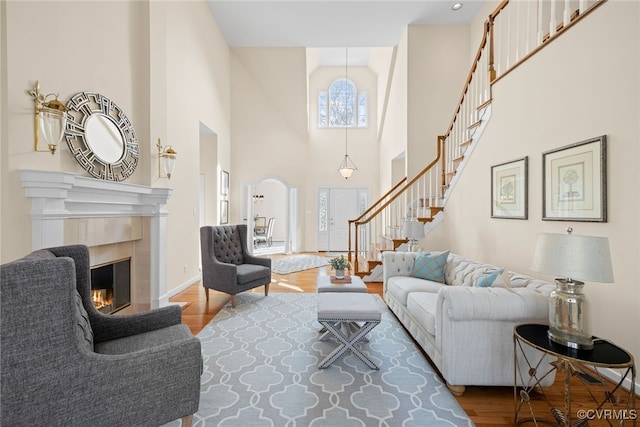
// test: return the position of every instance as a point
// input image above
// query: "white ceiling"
(331, 23)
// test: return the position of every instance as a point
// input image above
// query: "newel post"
(489, 29)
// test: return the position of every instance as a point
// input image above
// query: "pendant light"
(347, 166)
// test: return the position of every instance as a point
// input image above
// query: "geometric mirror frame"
(100, 137)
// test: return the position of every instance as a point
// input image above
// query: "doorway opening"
(271, 200)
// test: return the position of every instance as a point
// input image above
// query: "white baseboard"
(164, 299)
(615, 376)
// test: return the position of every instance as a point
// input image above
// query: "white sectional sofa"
(466, 330)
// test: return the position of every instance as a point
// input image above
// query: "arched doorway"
(271, 197)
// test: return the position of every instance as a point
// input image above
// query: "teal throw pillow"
(486, 279)
(430, 266)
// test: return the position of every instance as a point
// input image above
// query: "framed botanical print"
(224, 183)
(224, 211)
(575, 182)
(509, 190)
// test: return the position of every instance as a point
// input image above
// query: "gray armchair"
(227, 266)
(66, 363)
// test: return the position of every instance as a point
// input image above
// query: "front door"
(343, 206)
(336, 206)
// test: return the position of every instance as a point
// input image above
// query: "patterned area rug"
(260, 369)
(295, 263)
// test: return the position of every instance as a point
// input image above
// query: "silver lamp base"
(566, 316)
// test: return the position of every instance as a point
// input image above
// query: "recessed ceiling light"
(457, 6)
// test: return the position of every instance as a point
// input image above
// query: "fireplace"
(115, 220)
(111, 286)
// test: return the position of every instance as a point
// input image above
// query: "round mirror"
(104, 139)
(101, 137)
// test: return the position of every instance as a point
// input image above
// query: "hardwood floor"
(486, 406)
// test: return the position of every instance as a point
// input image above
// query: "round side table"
(607, 407)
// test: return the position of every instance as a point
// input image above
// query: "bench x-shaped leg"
(347, 342)
(350, 327)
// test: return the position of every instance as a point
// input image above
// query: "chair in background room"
(227, 266)
(267, 237)
(66, 363)
(259, 230)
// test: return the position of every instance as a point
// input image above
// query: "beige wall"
(273, 139)
(167, 67)
(584, 84)
(393, 132)
(327, 146)
(268, 120)
(197, 87)
(4, 187)
(438, 64)
(116, 66)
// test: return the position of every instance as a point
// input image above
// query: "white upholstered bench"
(356, 284)
(336, 308)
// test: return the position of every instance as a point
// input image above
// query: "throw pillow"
(430, 266)
(486, 280)
(502, 281)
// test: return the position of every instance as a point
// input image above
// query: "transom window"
(342, 106)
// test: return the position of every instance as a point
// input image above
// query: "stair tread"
(475, 124)
(484, 104)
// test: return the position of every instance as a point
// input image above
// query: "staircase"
(513, 33)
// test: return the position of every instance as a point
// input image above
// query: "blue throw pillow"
(430, 266)
(486, 279)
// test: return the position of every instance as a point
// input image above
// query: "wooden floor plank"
(486, 406)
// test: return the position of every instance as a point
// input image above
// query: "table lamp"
(413, 230)
(574, 258)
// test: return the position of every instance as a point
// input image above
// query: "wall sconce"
(50, 119)
(169, 155)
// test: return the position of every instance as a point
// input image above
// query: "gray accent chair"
(227, 265)
(66, 363)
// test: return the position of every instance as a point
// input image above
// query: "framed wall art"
(224, 212)
(224, 183)
(509, 189)
(575, 182)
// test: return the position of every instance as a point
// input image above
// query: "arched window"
(342, 106)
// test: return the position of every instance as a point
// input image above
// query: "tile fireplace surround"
(114, 219)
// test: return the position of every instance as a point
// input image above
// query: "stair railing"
(421, 198)
(362, 243)
(511, 35)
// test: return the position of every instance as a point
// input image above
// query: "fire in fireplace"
(111, 285)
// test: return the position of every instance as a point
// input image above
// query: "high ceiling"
(330, 23)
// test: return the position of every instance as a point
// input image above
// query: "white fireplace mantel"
(57, 196)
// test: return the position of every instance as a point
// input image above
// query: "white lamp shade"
(347, 167)
(413, 230)
(584, 258)
(346, 172)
